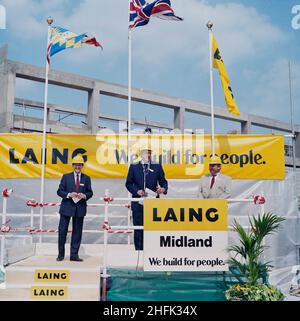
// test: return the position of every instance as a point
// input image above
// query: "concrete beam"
(266, 122)
(67, 109)
(36, 125)
(63, 79)
(120, 91)
(87, 84)
(52, 107)
(167, 101)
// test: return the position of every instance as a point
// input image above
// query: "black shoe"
(59, 258)
(77, 259)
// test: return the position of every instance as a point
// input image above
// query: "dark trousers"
(138, 219)
(77, 224)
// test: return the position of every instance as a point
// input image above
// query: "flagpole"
(129, 114)
(129, 89)
(210, 34)
(49, 21)
(292, 117)
(129, 97)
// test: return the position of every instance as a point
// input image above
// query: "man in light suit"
(74, 189)
(215, 184)
(140, 176)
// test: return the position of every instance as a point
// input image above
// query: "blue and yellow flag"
(219, 64)
(61, 39)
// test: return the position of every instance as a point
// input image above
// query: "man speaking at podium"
(74, 189)
(141, 176)
(215, 184)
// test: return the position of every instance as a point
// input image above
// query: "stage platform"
(41, 277)
(28, 277)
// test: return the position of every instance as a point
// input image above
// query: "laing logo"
(185, 215)
(2, 17)
(296, 19)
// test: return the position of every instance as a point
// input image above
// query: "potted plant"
(246, 258)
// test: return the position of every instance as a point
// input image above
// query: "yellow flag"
(219, 64)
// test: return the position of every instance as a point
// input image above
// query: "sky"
(257, 39)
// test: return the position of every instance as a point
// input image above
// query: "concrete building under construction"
(23, 115)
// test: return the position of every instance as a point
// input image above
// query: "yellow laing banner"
(185, 215)
(182, 156)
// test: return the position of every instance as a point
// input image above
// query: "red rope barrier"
(108, 228)
(34, 203)
(119, 231)
(31, 231)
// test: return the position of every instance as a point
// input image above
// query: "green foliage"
(246, 256)
(258, 292)
(246, 259)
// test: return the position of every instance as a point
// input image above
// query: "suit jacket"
(67, 185)
(220, 189)
(135, 180)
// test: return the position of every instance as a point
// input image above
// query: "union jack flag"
(141, 11)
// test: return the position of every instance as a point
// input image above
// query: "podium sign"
(185, 235)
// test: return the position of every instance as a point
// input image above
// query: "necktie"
(145, 168)
(212, 181)
(77, 183)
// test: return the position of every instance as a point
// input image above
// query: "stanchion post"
(31, 221)
(262, 210)
(31, 216)
(128, 224)
(104, 271)
(4, 209)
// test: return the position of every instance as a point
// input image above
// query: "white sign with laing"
(185, 235)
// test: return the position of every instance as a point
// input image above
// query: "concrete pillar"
(246, 127)
(3, 54)
(50, 114)
(93, 109)
(7, 97)
(179, 118)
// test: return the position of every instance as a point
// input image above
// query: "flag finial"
(49, 21)
(209, 25)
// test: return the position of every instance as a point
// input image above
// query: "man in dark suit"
(74, 189)
(141, 176)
